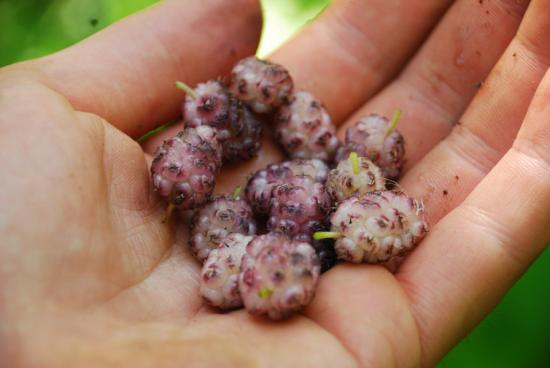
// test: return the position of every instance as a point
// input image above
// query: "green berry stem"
(393, 122)
(156, 131)
(265, 293)
(320, 235)
(354, 160)
(188, 90)
(236, 192)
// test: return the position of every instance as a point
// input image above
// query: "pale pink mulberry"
(213, 222)
(376, 227)
(353, 177)
(304, 129)
(219, 284)
(278, 276)
(373, 137)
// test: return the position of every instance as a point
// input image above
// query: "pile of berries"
(313, 215)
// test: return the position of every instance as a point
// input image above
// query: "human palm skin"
(89, 274)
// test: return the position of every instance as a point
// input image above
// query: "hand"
(89, 276)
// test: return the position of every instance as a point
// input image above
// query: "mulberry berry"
(208, 104)
(354, 177)
(246, 144)
(220, 273)
(299, 207)
(375, 138)
(239, 132)
(184, 167)
(376, 227)
(278, 276)
(259, 187)
(216, 220)
(262, 85)
(305, 130)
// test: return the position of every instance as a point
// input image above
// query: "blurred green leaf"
(32, 28)
(516, 333)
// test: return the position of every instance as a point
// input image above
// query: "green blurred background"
(516, 333)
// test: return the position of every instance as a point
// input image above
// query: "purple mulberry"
(305, 130)
(299, 208)
(278, 276)
(375, 138)
(208, 104)
(246, 144)
(184, 168)
(239, 132)
(262, 85)
(259, 187)
(216, 220)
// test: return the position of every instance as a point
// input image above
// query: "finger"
(126, 73)
(368, 311)
(376, 298)
(355, 47)
(452, 169)
(476, 253)
(440, 81)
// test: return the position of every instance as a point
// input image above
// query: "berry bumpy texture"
(304, 129)
(216, 220)
(259, 189)
(245, 143)
(299, 207)
(220, 273)
(377, 227)
(238, 130)
(347, 181)
(278, 276)
(262, 85)
(184, 168)
(373, 137)
(208, 104)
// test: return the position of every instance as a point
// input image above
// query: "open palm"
(89, 275)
